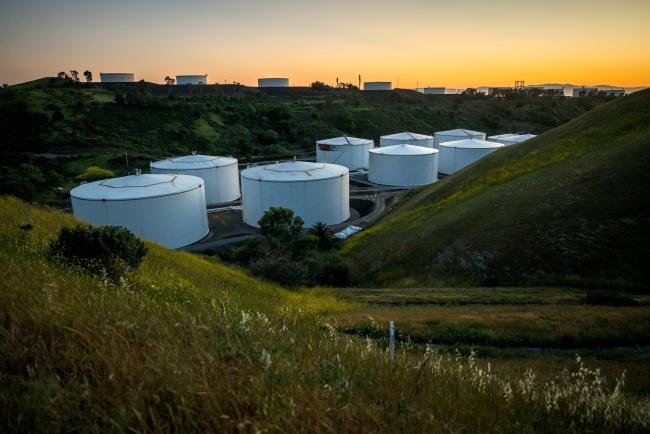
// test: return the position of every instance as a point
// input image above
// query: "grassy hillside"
(569, 207)
(189, 344)
(88, 125)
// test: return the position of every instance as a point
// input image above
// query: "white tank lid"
(189, 162)
(136, 187)
(461, 132)
(292, 171)
(403, 149)
(344, 141)
(471, 143)
(406, 136)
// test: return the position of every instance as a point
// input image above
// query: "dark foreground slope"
(568, 207)
(190, 345)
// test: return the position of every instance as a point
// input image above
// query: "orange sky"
(431, 43)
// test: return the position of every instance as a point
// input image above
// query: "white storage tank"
(377, 85)
(350, 152)
(117, 77)
(273, 82)
(407, 138)
(460, 153)
(510, 139)
(457, 134)
(403, 165)
(167, 209)
(220, 174)
(434, 90)
(317, 192)
(192, 79)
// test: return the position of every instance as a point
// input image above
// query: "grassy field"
(188, 343)
(98, 126)
(569, 207)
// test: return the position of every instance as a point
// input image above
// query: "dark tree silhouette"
(89, 76)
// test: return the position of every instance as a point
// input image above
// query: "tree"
(324, 234)
(62, 75)
(280, 224)
(109, 251)
(169, 81)
(89, 76)
(319, 85)
(74, 76)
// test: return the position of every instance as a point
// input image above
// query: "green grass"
(569, 207)
(189, 344)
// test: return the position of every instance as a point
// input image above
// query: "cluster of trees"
(288, 254)
(73, 76)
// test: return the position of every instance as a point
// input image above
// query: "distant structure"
(584, 91)
(510, 139)
(273, 82)
(614, 92)
(434, 90)
(117, 77)
(406, 138)
(460, 153)
(520, 85)
(457, 134)
(350, 152)
(220, 174)
(192, 79)
(377, 85)
(403, 165)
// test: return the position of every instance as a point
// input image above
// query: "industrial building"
(434, 90)
(377, 85)
(350, 152)
(273, 82)
(192, 79)
(167, 209)
(584, 91)
(317, 192)
(457, 134)
(403, 165)
(457, 154)
(406, 138)
(117, 77)
(220, 174)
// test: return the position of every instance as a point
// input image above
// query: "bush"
(57, 116)
(267, 137)
(109, 251)
(282, 270)
(94, 173)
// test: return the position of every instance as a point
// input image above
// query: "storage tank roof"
(190, 162)
(136, 187)
(461, 132)
(406, 136)
(344, 141)
(471, 143)
(502, 136)
(292, 171)
(403, 149)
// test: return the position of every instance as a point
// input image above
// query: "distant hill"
(59, 130)
(569, 207)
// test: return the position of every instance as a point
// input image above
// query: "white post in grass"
(391, 344)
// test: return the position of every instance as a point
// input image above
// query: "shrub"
(94, 173)
(282, 270)
(109, 251)
(57, 116)
(267, 137)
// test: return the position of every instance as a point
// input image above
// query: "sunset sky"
(457, 43)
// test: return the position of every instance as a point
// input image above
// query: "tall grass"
(192, 345)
